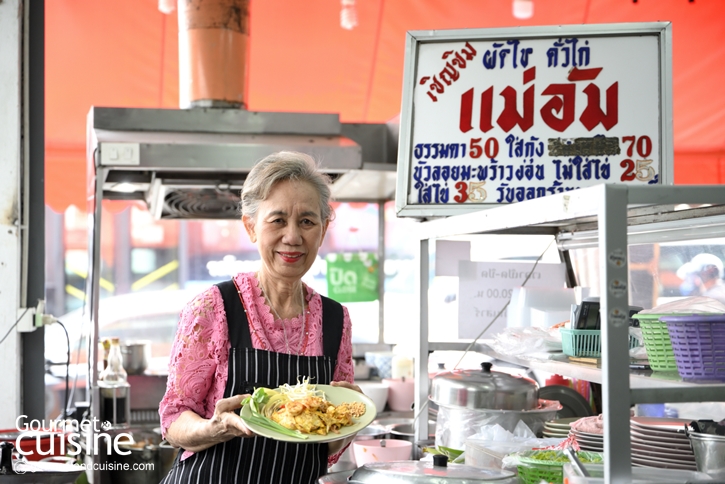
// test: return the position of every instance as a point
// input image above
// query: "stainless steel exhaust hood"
(192, 163)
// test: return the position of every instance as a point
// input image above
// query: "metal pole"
(33, 360)
(93, 296)
(614, 298)
(381, 272)
(421, 360)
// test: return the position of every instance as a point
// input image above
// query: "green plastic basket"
(585, 342)
(533, 471)
(657, 342)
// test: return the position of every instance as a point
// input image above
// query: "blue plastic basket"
(585, 342)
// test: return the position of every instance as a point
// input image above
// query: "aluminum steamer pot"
(436, 472)
(470, 399)
(485, 389)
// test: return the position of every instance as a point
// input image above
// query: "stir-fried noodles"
(304, 408)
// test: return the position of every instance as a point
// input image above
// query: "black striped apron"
(260, 460)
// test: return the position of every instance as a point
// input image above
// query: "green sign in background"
(352, 277)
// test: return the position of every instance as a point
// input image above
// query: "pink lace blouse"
(199, 356)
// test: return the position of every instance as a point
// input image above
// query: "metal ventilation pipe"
(213, 40)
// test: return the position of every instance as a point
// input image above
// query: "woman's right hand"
(194, 433)
(226, 423)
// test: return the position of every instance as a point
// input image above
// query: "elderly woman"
(260, 329)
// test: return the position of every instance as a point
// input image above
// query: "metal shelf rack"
(612, 216)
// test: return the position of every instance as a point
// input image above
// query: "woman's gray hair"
(282, 166)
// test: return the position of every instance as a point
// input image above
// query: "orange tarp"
(124, 54)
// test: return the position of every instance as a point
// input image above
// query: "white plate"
(668, 438)
(660, 445)
(588, 435)
(670, 450)
(662, 454)
(583, 440)
(654, 423)
(591, 449)
(557, 428)
(664, 465)
(562, 423)
(555, 435)
(657, 433)
(334, 395)
(556, 431)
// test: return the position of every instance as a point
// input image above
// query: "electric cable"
(528, 276)
(64, 412)
(16, 323)
(468, 348)
(78, 362)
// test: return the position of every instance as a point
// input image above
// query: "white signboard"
(485, 288)
(499, 116)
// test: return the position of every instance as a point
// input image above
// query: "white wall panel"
(10, 128)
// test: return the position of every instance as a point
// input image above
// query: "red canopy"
(124, 54)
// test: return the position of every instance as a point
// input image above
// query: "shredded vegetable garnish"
(303, 389)
(256, 402)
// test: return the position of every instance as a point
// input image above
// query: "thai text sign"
(352, 277)
(484, 289)
(501, 117)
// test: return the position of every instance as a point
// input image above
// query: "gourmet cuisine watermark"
(89, 436)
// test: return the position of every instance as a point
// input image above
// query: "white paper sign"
(485, 288)
(505, 116)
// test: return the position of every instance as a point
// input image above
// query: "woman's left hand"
(338, 445)
(344, 384)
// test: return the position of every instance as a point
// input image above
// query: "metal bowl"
(406, 431)
(709, 453)
(136, 356)
(485, 389)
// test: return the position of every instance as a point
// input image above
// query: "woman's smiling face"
(288, 229)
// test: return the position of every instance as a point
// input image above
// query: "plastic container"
(384, 450)
(382, 361)
(490, 453)
(698, 342)
(378, 393)
(401, 393)
(585, 342)
(456, 424)
(640, 475)
(533, 471)
(657, 342)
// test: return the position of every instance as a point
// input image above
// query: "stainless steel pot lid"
(485, 389)
(427, 472)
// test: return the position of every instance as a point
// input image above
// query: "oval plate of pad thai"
(307, 413)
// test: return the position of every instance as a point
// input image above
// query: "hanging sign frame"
(497, 116)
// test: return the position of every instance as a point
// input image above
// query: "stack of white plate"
(661, 443)
(588, 441)
(559, 428)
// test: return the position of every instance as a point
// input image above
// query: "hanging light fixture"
(348, 15)
(167, 6)
(523, 9)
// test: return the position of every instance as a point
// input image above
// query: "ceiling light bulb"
(523, 9)
(348, 15)
(124, 187)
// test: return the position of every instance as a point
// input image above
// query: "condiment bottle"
(6, 460)
(114, 372)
